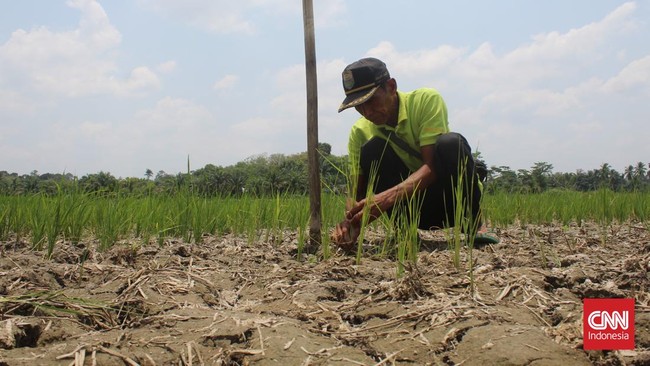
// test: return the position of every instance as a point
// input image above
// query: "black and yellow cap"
(361, 80)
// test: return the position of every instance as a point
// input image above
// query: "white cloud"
(226, 82)
(571, 98)
(14, 102)
(71, 63)
(329, 13)
(157, 138)
(416, 63)
(635, 75)
(94, 130)
(94, 26)
(141, 78)
(219, 16)
(166, 67)
(543, 101)
(227, 16)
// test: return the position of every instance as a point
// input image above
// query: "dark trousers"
(439, 199)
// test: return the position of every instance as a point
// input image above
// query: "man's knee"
(452, 141)
(378, 154)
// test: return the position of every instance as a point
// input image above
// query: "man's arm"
(381, 202)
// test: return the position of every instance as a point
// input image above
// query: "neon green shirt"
(422, 118)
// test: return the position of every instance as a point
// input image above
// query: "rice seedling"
(606, 216)
(365, 218)
(465, 225)
(109, 222)
(640, 206)
(463, 222)
(73, 216)
(16, 220)
(202, 221)
(603, 206)
(143, 219)
(274, 213)
(38, 220)
(406, 234)
(53, 227)
(300, 244)
(326, 249)
(76, 218)
(4, 222)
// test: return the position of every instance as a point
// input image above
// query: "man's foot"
(482, 237)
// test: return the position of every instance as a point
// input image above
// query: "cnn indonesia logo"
(608, 324)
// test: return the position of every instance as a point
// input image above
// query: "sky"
(124, 86)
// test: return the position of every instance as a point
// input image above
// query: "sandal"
(485, 238)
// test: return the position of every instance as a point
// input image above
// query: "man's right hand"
(345, 234)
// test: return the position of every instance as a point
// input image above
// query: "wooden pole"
(312, 129)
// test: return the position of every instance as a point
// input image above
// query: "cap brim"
(355, 99)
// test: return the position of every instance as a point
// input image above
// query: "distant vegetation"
(269, 175)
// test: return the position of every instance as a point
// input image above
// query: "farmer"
(403, 145)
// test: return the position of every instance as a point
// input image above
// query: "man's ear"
(391, 85)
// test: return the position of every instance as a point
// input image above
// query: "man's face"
(381, 108)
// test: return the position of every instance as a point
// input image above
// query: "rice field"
(43, 220)
(183, 279)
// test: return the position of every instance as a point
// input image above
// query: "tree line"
(541, 178)
(265, 175)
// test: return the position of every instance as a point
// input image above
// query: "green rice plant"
(5, 220)
(53, 226)
(455, 240)
(201, 219)
(272, 215)
(326, 249)
(109, 222)
(183, 209)
(640, 206)
(19, 223)
(408, 217)
(250, 219)
(38, 219)
(602, 206)
(77, 217)
(466, 226)
(388, 225)
(606, 213)
(300, 244)
(70, 215)
(163, 234)
(365, 218)
(144, 221)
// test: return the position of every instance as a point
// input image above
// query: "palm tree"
(629, 173)
(640, 171)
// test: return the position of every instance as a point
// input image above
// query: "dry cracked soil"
(233, 301)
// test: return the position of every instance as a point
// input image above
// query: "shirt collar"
(401, 114)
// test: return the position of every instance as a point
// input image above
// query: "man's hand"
(345, 234)
(377, 205)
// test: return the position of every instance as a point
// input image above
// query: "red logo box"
(608, 324)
